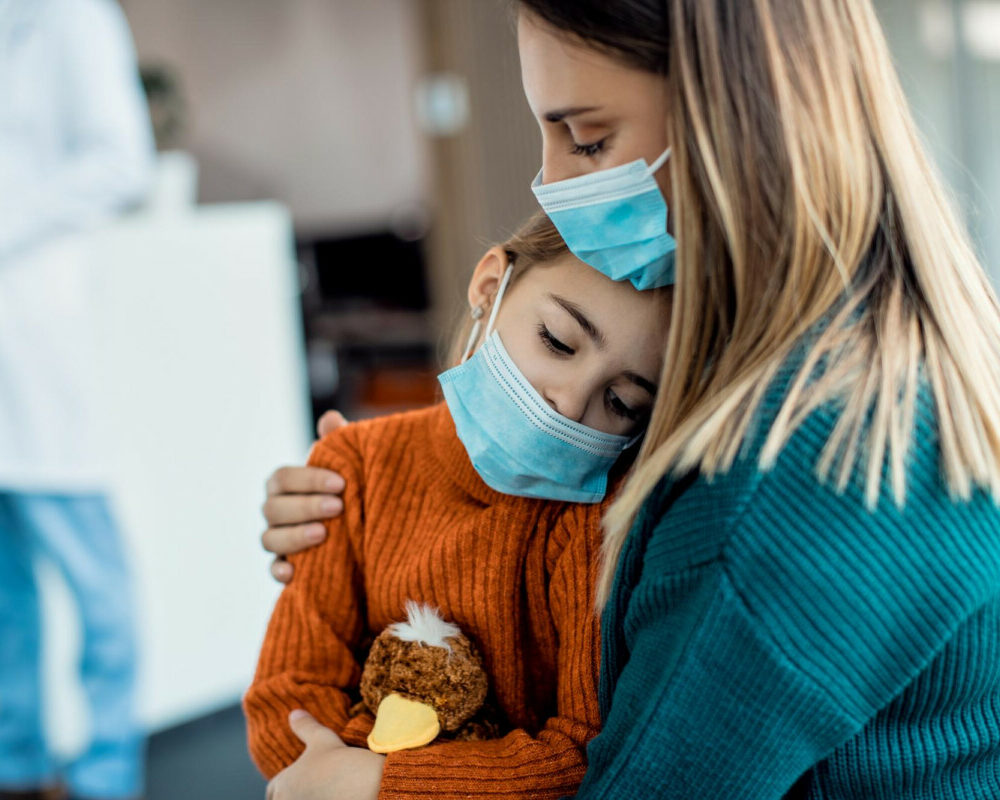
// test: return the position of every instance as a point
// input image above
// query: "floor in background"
(203, 760)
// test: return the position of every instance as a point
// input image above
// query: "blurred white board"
(205, 393)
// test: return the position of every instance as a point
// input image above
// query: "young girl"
(487, 507)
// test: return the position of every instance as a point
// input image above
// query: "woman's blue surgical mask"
(615, 220)
(516, 441)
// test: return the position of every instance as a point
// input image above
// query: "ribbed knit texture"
(765, 632)
(516, 574)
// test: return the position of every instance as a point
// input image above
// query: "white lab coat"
(75, 149)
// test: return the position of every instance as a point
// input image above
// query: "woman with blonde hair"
(801, 578)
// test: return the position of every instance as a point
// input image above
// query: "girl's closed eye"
(553, 344)
(618, 407)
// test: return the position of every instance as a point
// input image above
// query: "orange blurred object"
(399, 388)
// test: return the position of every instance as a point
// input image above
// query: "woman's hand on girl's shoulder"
(298, 500)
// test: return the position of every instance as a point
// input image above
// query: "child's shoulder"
(578, 527)
(370, 438)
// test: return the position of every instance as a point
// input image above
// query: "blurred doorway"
(481, 173)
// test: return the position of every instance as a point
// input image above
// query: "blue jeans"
(78, 534)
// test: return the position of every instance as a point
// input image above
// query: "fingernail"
(298, 713)
(335, 484)
(330, 506)
(315, 533)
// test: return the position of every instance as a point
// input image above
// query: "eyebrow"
(641, 382)
(576, 312)
(562, 113)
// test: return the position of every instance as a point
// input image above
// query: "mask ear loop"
(477, 314)
(659, 162)
(496, 303)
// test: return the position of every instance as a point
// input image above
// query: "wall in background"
(947, 53)
(483, 173)
(305, 101)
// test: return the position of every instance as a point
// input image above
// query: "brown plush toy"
(422, 677)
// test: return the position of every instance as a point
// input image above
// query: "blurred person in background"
(76, 149)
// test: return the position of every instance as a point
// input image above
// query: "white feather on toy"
(424, 625)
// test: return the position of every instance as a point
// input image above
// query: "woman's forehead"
(556, 70)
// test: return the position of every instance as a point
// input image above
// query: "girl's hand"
(298, 500)
(328, 769)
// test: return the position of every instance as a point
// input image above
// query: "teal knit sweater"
(768, 638)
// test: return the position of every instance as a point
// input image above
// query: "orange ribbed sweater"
(516, 574)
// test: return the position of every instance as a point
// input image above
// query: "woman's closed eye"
(590, 150)
(553, 344)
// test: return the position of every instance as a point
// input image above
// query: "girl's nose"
(572, 405)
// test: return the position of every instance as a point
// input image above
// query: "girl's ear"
(486, 278)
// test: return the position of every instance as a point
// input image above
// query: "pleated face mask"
(516, 441)
(615, 220)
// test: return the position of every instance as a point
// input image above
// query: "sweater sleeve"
(307, 659)
(551, 762)
(747, 670)
(706, 706)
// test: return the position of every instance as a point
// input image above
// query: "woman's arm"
(706, 706)
(746, 670)
(307, 659)
(299, 500)
(550, 762)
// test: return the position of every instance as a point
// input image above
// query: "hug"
(710, 498)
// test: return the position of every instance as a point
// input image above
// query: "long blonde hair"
(801, 192)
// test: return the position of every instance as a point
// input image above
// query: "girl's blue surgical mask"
(516, 441)
(615, 220)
